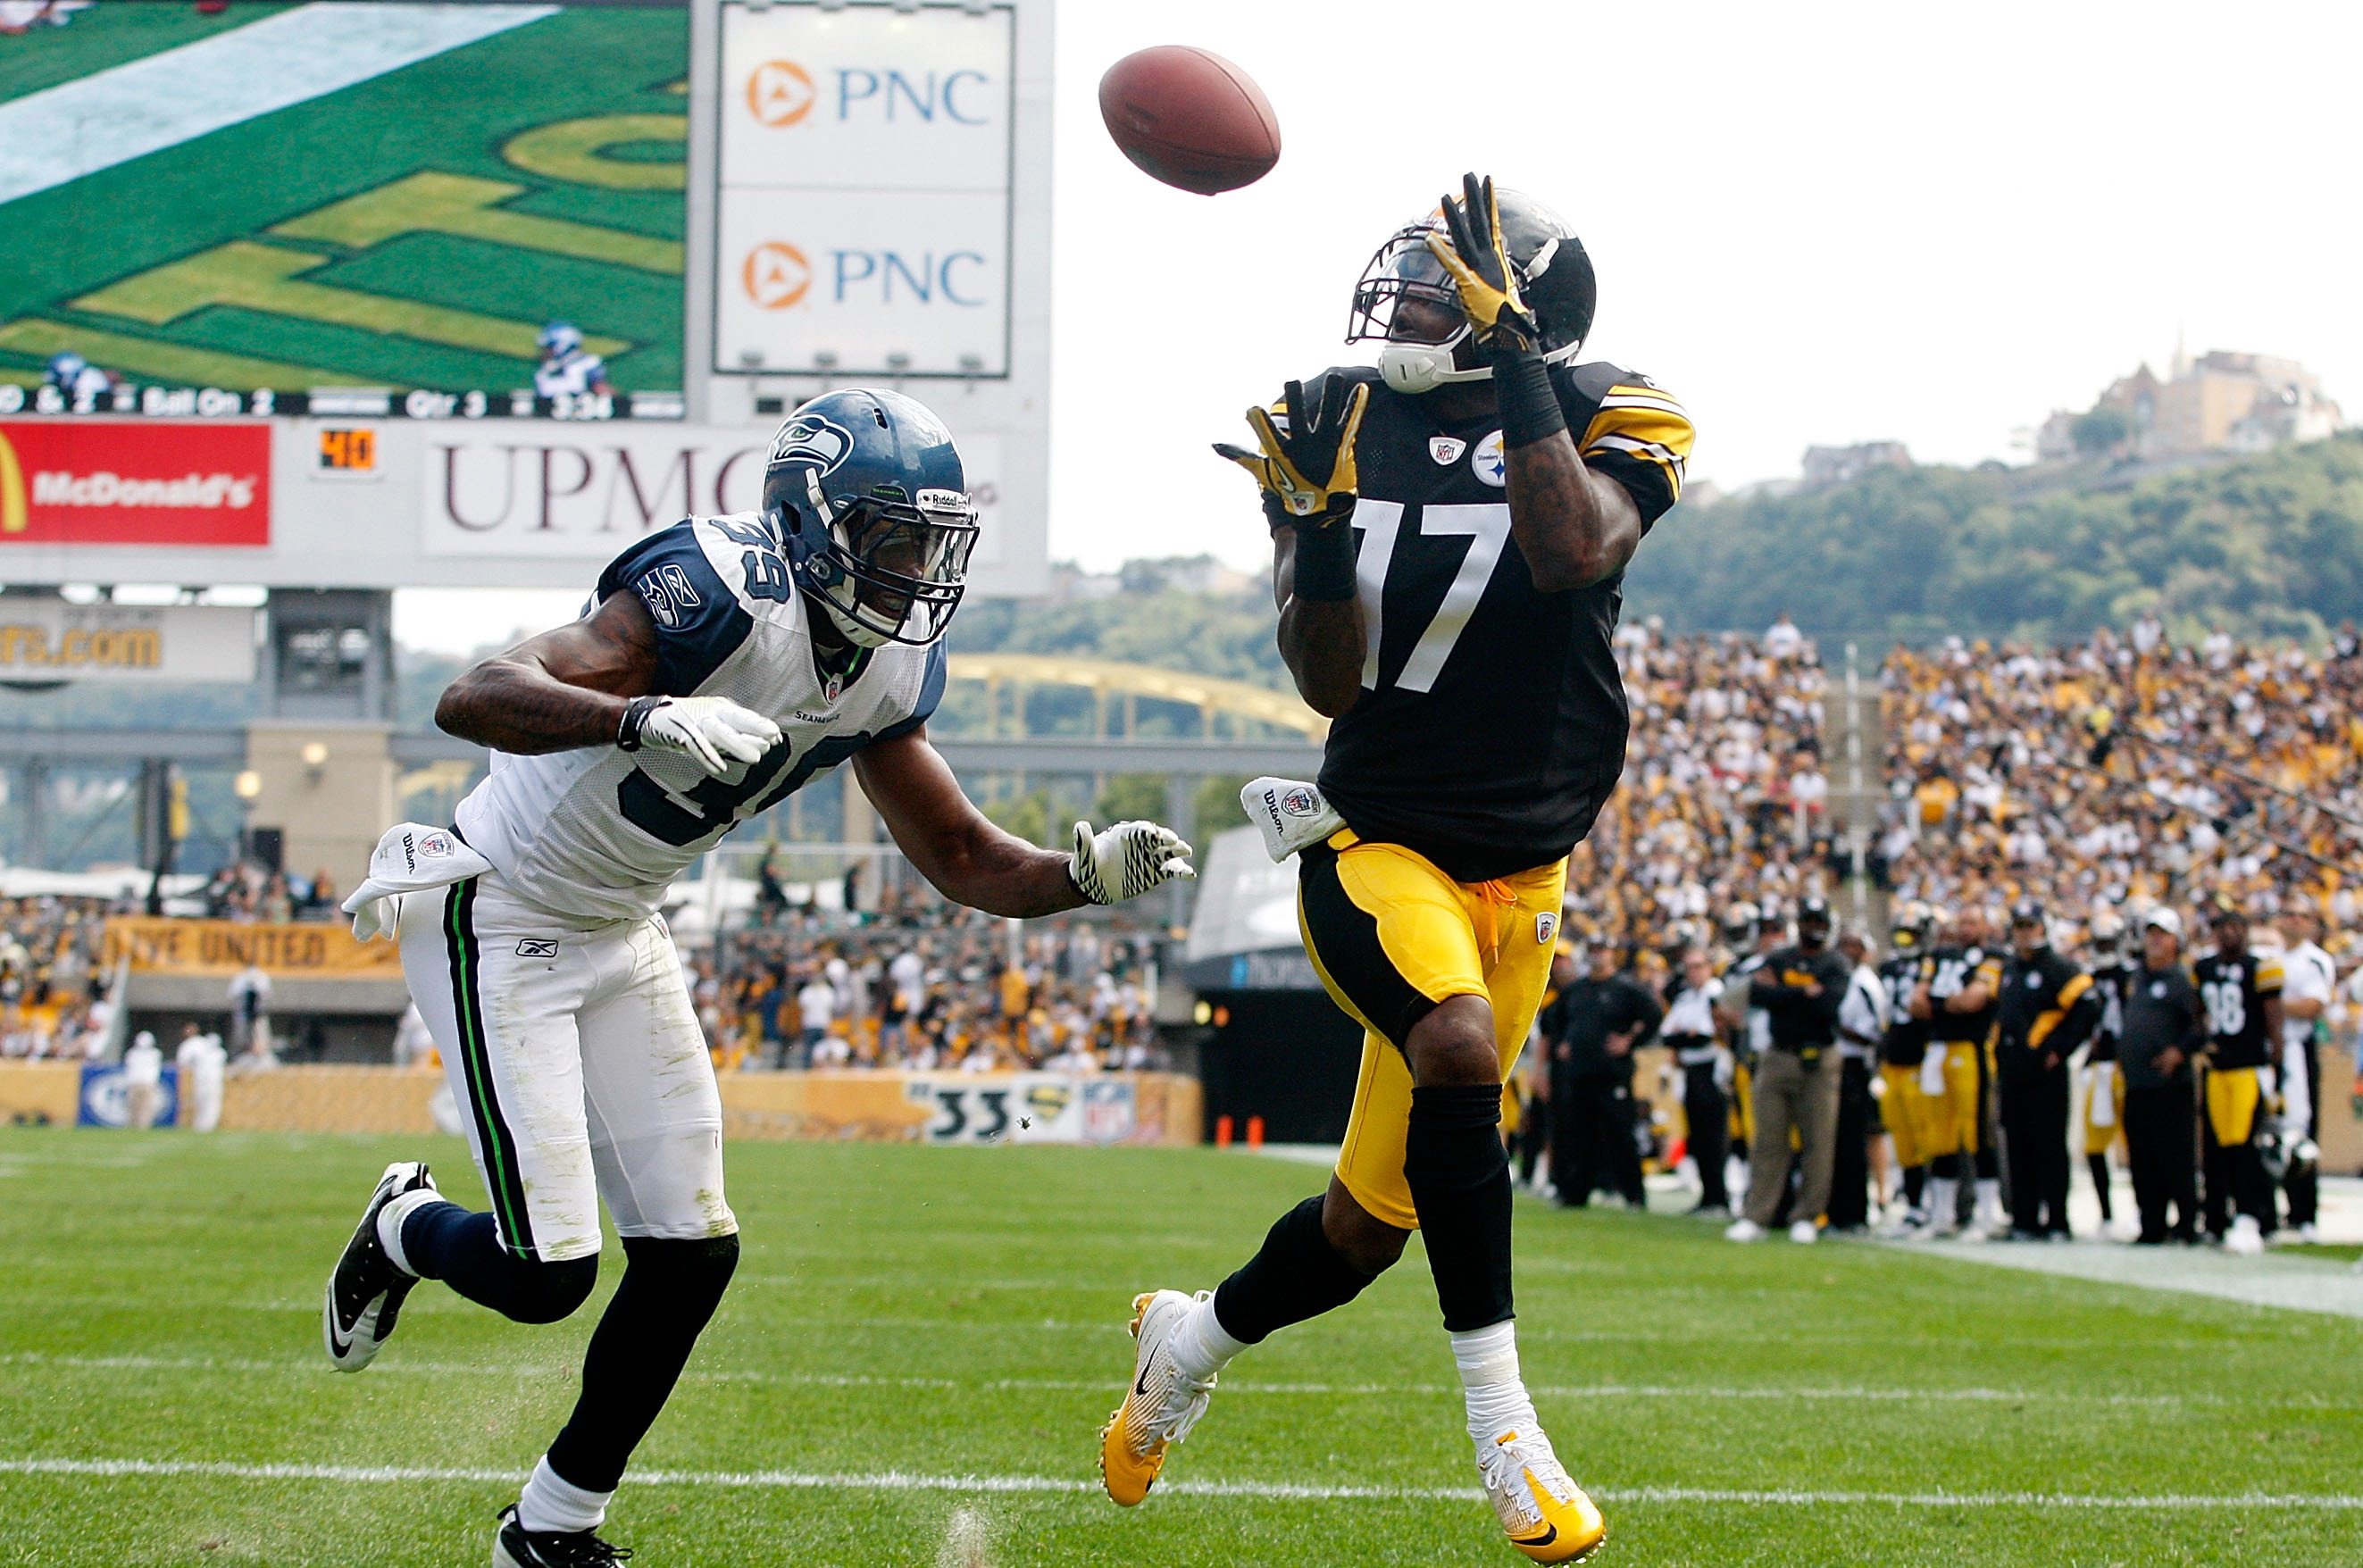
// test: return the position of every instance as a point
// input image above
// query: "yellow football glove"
(1473, 254)
(1306, 462)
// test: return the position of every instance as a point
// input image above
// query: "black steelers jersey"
(2232, 991)
(1491, 722)
(1904, 1041)
(1949, 971)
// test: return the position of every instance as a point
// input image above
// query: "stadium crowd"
(52, 985)
(2149, 838)
(929, 989)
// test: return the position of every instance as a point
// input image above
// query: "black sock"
(1461, 1186)
(668, 1296)
(1295, 1276)
(1916, 1184)
(1946, 1167)
(2100, 1167)
(443, 1241)
(1989, 1166)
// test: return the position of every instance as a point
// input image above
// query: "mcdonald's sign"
(143, 482)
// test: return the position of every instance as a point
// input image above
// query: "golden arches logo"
(780, 93)
(776, 275)
(13, 514)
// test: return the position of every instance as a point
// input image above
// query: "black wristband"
(1325, 561)
(635, 718)
(1530, 410)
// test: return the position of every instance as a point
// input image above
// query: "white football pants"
(573, 1051)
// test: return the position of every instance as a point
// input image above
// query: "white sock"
(389, 1224)
(1496, 1396)
(1989, 1198)
(1202, 1346)
(550, 1503)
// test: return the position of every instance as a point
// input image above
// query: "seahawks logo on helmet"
(811, 439)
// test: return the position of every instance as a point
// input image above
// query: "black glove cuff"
(1530, 410)
(636, 719)
(1277, 514)
(1325, 560)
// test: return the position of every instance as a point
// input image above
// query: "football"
(1190, 118)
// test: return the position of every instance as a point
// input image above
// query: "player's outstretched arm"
(562, 689)
(1320, 639)
(970, 861)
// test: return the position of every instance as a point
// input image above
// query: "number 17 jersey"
(602, 832)
(1491, 722)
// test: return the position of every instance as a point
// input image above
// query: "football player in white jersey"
(725, 663)
(567, 369)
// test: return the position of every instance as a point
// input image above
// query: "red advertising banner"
(143, 482)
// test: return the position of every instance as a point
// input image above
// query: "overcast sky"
(1814, 222)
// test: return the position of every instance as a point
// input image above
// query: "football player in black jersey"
(2240, 995)
(2105, 1094)
(1450, 532)
(1903, 1107)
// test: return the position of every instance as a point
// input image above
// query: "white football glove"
(712, 732)
(1126, 860)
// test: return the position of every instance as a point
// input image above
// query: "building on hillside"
(1826, 467)
(2220, 401)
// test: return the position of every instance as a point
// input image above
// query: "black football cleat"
(366, 1289)
(517, 1547)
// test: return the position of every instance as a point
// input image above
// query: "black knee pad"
(688, 1273)
(546, 1292)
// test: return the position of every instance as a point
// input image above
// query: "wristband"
(1325, 561)
(636, 719)
(1530, 410)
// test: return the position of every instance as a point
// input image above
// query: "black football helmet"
(1554, 276)
(867, 490)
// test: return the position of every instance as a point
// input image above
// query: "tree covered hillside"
(2268, 546)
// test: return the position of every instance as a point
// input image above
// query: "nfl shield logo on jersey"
(1546, 927)
(1445, 449)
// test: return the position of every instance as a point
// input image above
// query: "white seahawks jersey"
(602, 832)
(569, 376)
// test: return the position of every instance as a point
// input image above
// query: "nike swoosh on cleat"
(1141, 1386)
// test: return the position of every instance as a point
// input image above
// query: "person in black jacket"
(2162, 1035)
(1593, 1029)
(1796, 1083)
(2048, 1007)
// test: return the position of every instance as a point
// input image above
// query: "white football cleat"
(1804, 1233)
(1743, 1230)
(2245, 1240)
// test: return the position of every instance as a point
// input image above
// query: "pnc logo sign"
(776, 276)
(780, 93)
(13, 514)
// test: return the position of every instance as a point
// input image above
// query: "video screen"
(422, 210)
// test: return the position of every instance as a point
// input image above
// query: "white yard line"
(901, 1481)
(144, 106)
(2297, 1284)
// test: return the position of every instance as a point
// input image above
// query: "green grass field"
(956, 1317)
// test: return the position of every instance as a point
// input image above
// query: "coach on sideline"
(2161, 1035)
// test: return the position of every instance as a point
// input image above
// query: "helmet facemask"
(893, 568)
(1553, 271)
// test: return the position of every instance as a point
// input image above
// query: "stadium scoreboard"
(360, 403)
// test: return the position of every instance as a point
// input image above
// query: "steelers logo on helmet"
(867, 490)
(1407, 301)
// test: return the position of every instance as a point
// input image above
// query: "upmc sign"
(863, 226)
(134, 482)
(585, 492)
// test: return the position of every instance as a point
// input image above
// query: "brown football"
(1190, 118)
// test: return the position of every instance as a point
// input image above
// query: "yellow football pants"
(2232, 1097)
(1392, 936)
(1949, 1124)
(1904, 1109)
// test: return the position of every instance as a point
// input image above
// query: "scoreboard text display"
(863, 227)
